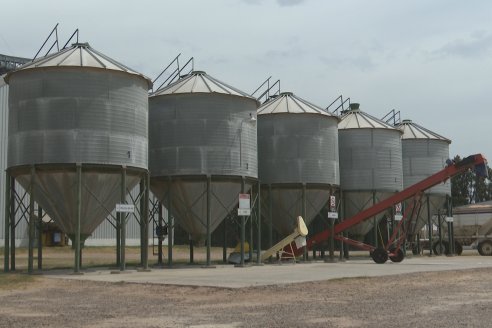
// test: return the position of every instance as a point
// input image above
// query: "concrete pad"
(229, 276)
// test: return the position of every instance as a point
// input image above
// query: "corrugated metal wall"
(21, 231)
(4, 91)
(105, 234)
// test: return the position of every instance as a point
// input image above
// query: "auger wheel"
(398, 255)
(379, 255)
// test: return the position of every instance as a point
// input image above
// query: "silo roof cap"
(200, 82)
(354, 118)
(79, 55)
(287, 102)
(412, 130)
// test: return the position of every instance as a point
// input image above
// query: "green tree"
(467, 188)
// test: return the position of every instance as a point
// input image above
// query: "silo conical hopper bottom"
(56, 192)
(356, 202)
(287, 206)
(189, 202)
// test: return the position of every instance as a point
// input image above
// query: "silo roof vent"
(354, 106)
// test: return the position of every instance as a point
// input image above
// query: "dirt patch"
(437, 299)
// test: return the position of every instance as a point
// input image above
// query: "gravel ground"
(434, 299)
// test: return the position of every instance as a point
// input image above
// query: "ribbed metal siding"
(4, 93)
(76, 115)
(370, 159)
(202, 134)
(422, 158)
(105, 234)
(298, 148)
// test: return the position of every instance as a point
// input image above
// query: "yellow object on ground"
(238, 247)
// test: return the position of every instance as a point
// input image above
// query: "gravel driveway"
(433, 299)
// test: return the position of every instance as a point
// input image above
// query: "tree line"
(469, 188)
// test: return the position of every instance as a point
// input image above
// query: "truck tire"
(440, 248)
(485, 248)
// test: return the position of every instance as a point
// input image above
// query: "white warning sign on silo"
(244, 205)
(125, 208)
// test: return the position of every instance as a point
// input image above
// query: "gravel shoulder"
(460, 298)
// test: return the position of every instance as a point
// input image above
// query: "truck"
(472, 226)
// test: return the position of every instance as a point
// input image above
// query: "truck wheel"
(441, 248)
(458, 249)
(485, 248)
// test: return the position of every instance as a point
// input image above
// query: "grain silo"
(424, 153)
(370, 164)
(202, 150)
(298, 159)
(78, 135)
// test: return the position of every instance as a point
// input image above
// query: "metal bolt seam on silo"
(424, 153)
(370, 164)
(202, 141)
(298, 160)
(77, 117)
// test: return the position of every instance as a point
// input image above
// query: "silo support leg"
(123, 221)
(146, 216)
(6, 250)
(192, 255)
(243, 228)
(79, 213)
(118, 239)
(429, 225)
(170, 227)
(30, 265)
(141, 222)
(161, 227)
(209, 214)
(224, 246)
(12, 223)
(40, 239)
(375, 221)
(270, 217)
(332, 238)
(258, 208)
(303, 204)
(144, 224)
(449, 213)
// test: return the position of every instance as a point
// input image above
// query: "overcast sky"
(429, 59)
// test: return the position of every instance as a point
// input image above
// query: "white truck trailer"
(472, 226)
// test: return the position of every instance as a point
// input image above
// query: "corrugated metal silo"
(4, 90)
(298, 154)
(77, 112)
(370, 163)
(424, 153)
(202, 132)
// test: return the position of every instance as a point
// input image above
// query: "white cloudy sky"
(430, 59)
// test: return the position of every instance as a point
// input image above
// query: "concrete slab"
(229, 276)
